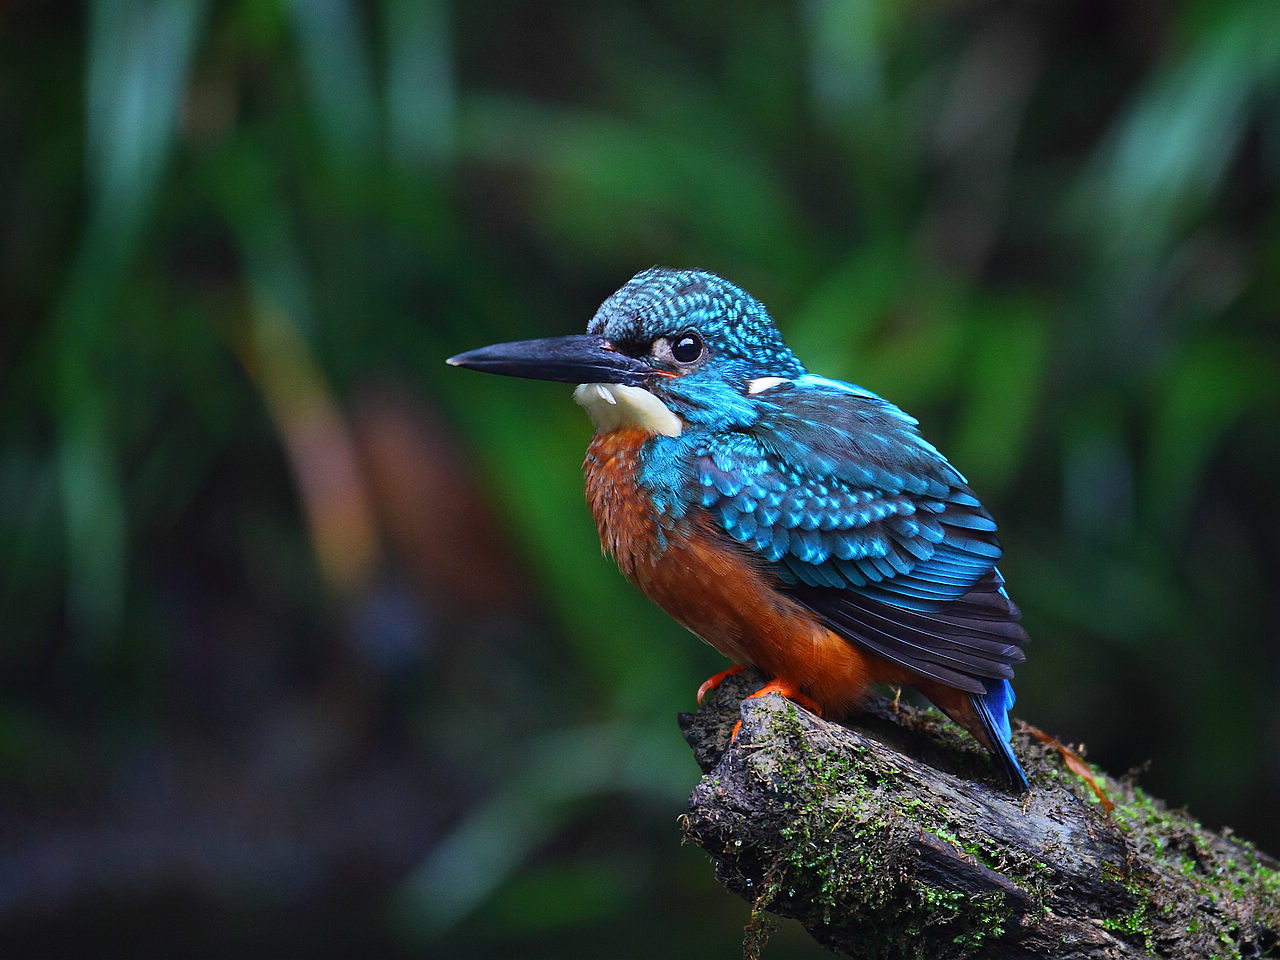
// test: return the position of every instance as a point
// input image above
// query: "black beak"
(581, 358)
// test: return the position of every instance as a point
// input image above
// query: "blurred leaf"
(564, 896)
(614, 189)
(1098, 471)
(1171, 148)
(1008, 347)
(571, 766)
(421, 93)
(846, 62)
(138, 61)
(335, 56)
(880, 320)
(139, 56)
(1212, 384)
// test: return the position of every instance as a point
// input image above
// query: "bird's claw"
(713, 682)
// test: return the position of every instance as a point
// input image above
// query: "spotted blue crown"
(660, 302)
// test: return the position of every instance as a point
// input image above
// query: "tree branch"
(891, 838)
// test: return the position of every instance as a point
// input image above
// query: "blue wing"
(867, 524)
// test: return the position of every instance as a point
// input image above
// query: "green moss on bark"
(880, 854)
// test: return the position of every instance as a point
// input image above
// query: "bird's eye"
(683, 350)
(687, 348)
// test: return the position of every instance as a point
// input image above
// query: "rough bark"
(890, 837)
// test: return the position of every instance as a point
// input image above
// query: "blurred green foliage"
(260, 551)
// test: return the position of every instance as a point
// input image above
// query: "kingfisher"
(798, 524)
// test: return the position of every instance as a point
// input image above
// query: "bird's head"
(669, 348)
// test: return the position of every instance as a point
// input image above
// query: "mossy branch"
(891, 838)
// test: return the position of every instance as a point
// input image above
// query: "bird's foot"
(788, 690)
(718, 679)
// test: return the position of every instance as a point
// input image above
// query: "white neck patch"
(761, 384)
(612, 406)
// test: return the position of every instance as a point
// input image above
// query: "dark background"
(307, 645)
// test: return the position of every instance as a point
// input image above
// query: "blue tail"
(993, 709)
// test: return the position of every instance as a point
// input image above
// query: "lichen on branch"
(891, 837)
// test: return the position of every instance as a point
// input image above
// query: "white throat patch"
(612, 406)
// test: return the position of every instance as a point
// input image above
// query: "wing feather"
(864, 522)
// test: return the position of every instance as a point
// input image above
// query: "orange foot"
(788, 690)
(718, 679)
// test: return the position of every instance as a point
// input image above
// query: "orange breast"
(715, 588)
(625, 518)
